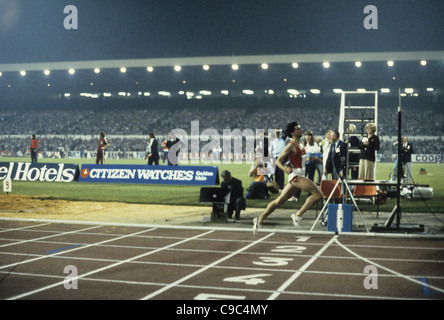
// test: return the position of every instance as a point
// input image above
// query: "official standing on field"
(103, 144)
(33, 149)
(406, 159)
(152, 150)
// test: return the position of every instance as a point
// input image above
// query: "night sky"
(33, 31)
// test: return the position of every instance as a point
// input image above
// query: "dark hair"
(309, 133)
(290, 128)
(102, 134)
(225, 174)
(336, 132)
(151, 135)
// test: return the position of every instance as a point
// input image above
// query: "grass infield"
(189, 195)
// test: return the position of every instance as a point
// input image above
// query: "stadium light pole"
(398, 192)
(397, 210)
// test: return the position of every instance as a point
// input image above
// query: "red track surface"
(119, 262)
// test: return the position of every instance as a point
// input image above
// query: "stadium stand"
(74, 124)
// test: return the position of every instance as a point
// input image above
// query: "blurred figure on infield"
(33, 149)
(172, 140)
(103, 144)
(152, 150)
(165, 150)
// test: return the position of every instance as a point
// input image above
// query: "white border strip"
(214, 228)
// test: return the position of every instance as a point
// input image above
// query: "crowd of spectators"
(71, 129)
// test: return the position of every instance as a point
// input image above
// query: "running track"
(39, 260)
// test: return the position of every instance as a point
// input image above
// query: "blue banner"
(184, 175)
(48, 172)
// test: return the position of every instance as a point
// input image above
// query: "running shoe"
(255, 226)
(296, 220)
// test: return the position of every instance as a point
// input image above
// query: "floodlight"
(293, 91)
(234, 67)
(97, 70)
(248, 92)
(390, 63)
(23, 73)
(423, 62)
(264, 66)
(224, 92)
(337, 90)
(71, 71)
(408, 90)
(295, 65)
(326, 64)
(315, 91)
(206, 67)
(385, 90)
(358, 64)
(149, 69)
(123, 69)
(177, 68)
(430, 89)
(47, 72)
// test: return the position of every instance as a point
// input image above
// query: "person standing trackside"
(33, 149)
(406, 159)
(278, 144)
(325, 151)
(369, 145)
(337, 157)
(103, 144)
(152, 150)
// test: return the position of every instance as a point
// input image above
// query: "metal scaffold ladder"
(358, 108)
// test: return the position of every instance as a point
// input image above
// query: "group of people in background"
(328, 157)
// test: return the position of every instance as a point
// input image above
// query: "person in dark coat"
(405, 159)
(152, 150)
(337, 157)
(233, 187)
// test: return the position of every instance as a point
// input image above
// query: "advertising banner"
(424, 158)
(48, 172)
(184, 175)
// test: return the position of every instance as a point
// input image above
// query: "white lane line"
(70, 250)
(191, 275)
(387, 269)
(301, 270)
(60, 283)
(46, 237)
(22, 228)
